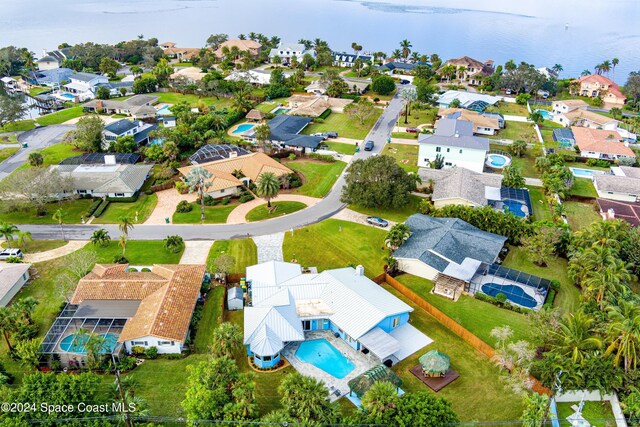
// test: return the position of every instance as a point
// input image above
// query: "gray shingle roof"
(287, 128)
(120, 127)
(106, 178)
(460, 183)
(455, 133)
(617, 184)
(85, 77)
(434, 241)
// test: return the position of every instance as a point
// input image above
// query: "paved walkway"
(196, 251)
(357, 217)
(237, 216)
(71, 246)
(167, 202)
(522, 119)
(535, 182)
(269, 247)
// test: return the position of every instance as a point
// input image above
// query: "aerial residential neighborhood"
(286, 228)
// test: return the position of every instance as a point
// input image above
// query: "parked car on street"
(404, 82)
(413, 130)
(377, 221)
(368, 146)
(322, 135)
(12, 252)
(332, 134)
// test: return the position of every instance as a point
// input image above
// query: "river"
(575, 33)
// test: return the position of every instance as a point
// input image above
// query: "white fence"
(595, 396)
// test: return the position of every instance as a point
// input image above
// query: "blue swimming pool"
(243, 128)
(497, 160)
(514, 294)
(545, 114)
(280, 111)
(157, 141)
(515, 207)
(164, 111)
(321, 354)
(72, 344)
(585, 173)
(68, 96)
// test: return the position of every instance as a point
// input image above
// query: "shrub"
(174, 356)
(184, 207)
(501, 298)
(127, 363)
(137, 350)
(598, 163)
(119, 259)
(555, 284)
(322, 157)
(376, 99)
(13, 260)
(225, 201)
(246, 198)
(146, 270)
(131, 199)
(101, 208)
(292, 156)
(551, 296)
(294, 180)
(209, 201)
(326, 114)
(151, 352)
(181, 187)
(148, 192)
(523, 98)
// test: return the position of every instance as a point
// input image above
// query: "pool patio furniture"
(435, 383)
(434, 363)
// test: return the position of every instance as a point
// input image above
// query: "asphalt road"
(36, 139)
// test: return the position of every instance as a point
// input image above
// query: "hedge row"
(322, 157)
(93, 207)
(507, 305)
(103, 206)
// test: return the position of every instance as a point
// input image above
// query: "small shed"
(255, 115)
(362, 383)
(434, 363)
(235, 299)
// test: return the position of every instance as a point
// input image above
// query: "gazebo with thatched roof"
(256, 115)
(435, 363)
(362, 383)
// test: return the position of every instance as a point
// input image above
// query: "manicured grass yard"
(418, 117)
(116, 210)
(406, 155)
(518, 130)
(477, 316)
(138, 252)
(54, 154)
(323, 245)
(211, 318)
(599, 414)
(278, 209)
(244, 251)
(479, 393)
(346, 126)
(9, 139)
(175, 98)
(341, 147)
(568, 296)
(546, 129)
(18, 126)
(541, 210)
(583, 187)
(526, 163)
(512, 109)
(581, 214)
(213, 214)
(318, 177)
(36, 246)
(60, 116)
(5, 153)
(268, 106)
(73, 211)
(405, 135)
(392, 214)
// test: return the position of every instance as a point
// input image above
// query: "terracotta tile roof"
(599, 141)
(573, 103)
(168, 295)
(613, 88)
(579, 114)
(255, 115)
(477, 119)
(242, 45)
(314, 106)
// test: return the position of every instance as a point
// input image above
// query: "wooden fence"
(454, 326)
(165, 185)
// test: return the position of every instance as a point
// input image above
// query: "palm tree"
(380, 397)
(262, 134)
(408, 95)
(557, 68)
(122, 241)
(125, 225)
(7, 325)
(35, 159)
(624, 332)
(173, 243)
(606, 67)
(24, 307)
(614, 64)
(100, 237)
(23, 238)
(58, 215)
(198, 180)
(306, 397)
(240, 99)
(585, 73)
(415, 57)
(227, 339)
(575, 337)
(8, 231)
(397, 235)
(396, 54)
(405, 46)
(268, 186)
(252, 35)
(28, 59)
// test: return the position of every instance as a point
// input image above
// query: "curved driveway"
(324, 209)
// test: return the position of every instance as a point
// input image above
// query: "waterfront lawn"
(406, 155)
(60, 116)
(512, 109)
(583, 187)
(37, 90)
(36, 246)
(346, 126)
(581, 214)
(391, 214)
(278, 209)
(144, 206)
(477, 316)
(568, 296)
(244, 251)
(491, 399)
(5, 153)
(211, 318)
(541, 210)
(323, 245)
(341, 147)
(318, 177)
(213, 214)
(73, 211)
(599, 414)
(518, 130)
(18, 126)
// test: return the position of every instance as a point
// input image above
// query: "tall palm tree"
(398, 234)
(614, 64)
(8, 231)
(396, 54)
(198, 180)
(7, 325)
(58, 215)
(100, 237)
(405, 46)
(23, 238)
(606, 67)
(227, 338)
(557, 68)
(268, 186)
(575, 337)
(381, 397)
(624, 332)
(122, 241)
(125, 224)
(585, 73)
(415, 56)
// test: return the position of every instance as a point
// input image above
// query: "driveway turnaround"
(237, 216)
(167, 202)
(72, 246)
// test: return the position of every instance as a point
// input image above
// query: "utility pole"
(127, 420)
(557, 386)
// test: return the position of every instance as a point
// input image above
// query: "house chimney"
(233, 154)
(99, 105)
(359, 270)
(110, 159)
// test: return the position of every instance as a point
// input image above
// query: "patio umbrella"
(435, 363)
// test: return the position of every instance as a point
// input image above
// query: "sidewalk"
(70, 247)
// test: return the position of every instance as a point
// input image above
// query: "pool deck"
(529, 290)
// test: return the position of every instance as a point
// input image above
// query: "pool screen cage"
(519, 194)
(213, 152)
(505, 276)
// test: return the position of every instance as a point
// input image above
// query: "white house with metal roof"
(12, 279)
(106, 180)
(285, 304)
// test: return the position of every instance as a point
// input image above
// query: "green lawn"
(268, 106)
(581, 214)
(527, 162)
(479, 393)
(144, 206)
(18, 126)
(175, 98)
(318, 177)
(211, 318)
(418, 117)
(392, 214)
(541, 210)
(477, 316)
(54, 154)
(583, 187)
(518, 130)
(278, 209)
(36, 246)
(405, 135)
(5, 153)
(138, 252)
(244, 251)
(60, 116)
(213, 214)
(73, 211)
(8, 139)
(512, 109)
(346, 126)
(406, 155)
(37, 90)
(569, 295)
(341, 147)
(599, 414)
(547, 131)
(323, 245)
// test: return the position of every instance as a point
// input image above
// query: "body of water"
(575, 33)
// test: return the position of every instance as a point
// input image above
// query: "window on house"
(165, 342)
(396, 322)
(438, 149)
(119, 194)
(266, 359)
(306, 325)
(448, 164)
(461, 151)
(448, 150)
(139, 343)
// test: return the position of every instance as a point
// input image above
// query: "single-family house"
(8, 82)
(103, 159)
(468, 100)
(470, 69)
(615, 209)
(235, 298)
(622, 185)
(347, 60)
(123, 127)
(105, 180)
(12, 279)
(483, 123)
(84, 85)
(167, 45)
(448, 251)
(454, 141)
(391, 67)
(547, 72)
(253, 47)
(180, 54)
(53, 77)
(189, 75)
(601, 144)
(287, 304)
(595, 85)
(138, 106)
(318, 88)
(129, 308)
(573, 112)
(314, 106)
(52, 60)
(461, 186)
(223, 182)
(286, 51)
(255, 77)
(285, 133)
